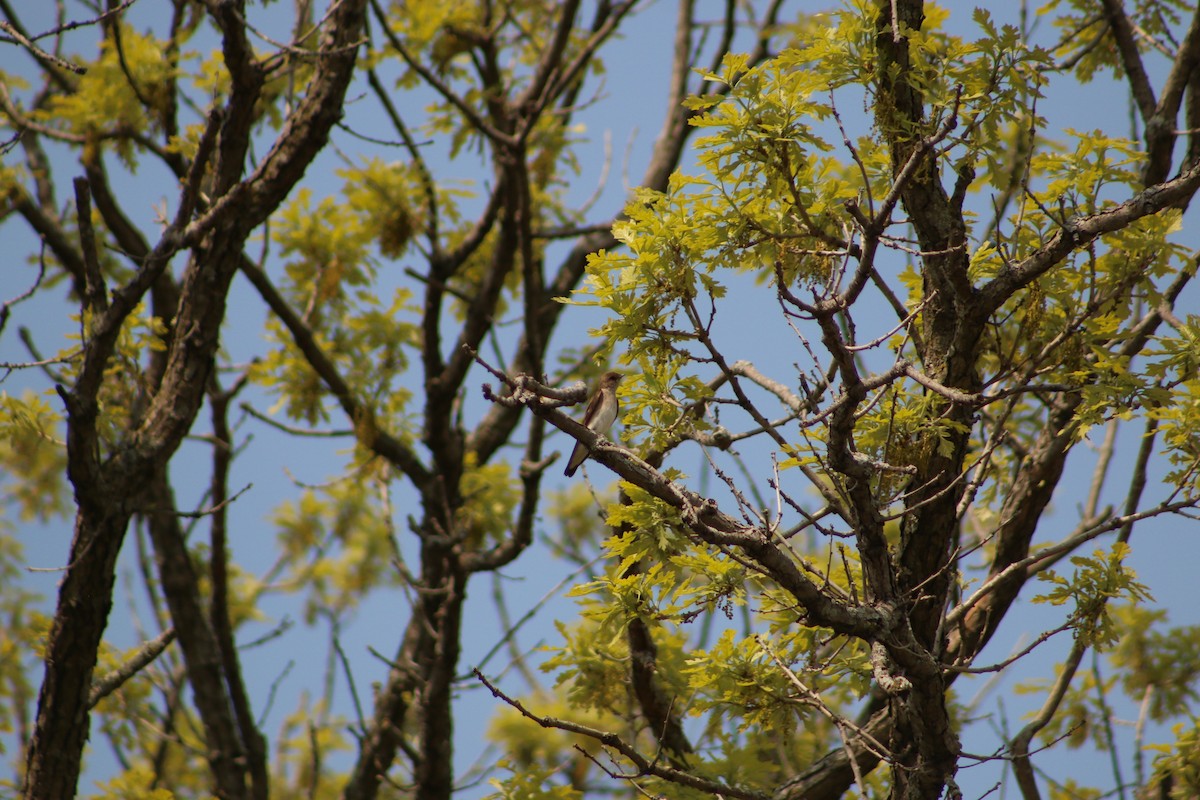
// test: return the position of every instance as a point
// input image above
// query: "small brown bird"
(600, 415)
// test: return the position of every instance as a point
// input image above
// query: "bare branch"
(643, 765)
(144, 656)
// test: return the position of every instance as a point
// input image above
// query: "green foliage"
(329, 249)
(132, 784)
(331, 276)
(307, 737)
(1097, 581)
(678, 581)
(104, 99)
(1180, 421)
(573, 511)
(380, 196)
(1072, 790)
(779, 198)
(1096, 53)
(125, 387)
(1178, 765)
(24, 631)
(33, 458)
(530, 783)
(1157, 662)
(769, 199)
(489, 499)
(738, 681)
(336, 545)
(1177, 411)
(1083, 716)
(591, 665)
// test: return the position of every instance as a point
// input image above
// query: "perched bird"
(601, 413)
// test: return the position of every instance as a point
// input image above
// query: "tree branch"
(145, 656)
(643, 765)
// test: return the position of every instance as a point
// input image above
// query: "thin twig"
(614, 742)
(149, 651)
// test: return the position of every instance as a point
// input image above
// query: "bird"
(601, 413)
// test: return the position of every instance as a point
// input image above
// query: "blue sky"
(627, 116)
